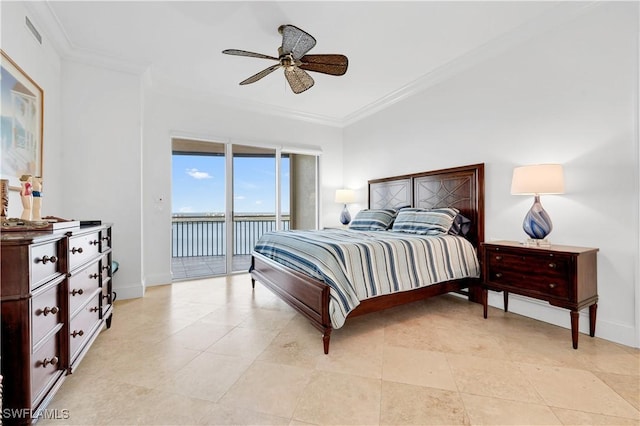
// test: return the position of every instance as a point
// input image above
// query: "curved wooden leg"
(505, 297)
(592, 319)
(574, 328)
(253, 283)
(326, 336)
(108, 321)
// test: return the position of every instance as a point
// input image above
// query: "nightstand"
(564, 276)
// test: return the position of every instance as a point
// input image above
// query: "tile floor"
(215, 352)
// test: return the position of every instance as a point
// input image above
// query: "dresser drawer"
(44, 261)
(105, 240)
(83, 325)
(46, 367)
(105, 267)
(105, 302)
(82, 285)
(45, 312)
(83, 248)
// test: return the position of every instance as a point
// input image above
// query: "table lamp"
(345, 196)
(536, 180)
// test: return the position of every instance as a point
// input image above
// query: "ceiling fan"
(292, 57)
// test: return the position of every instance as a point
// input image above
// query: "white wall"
(567, 96)
(169, 115)
(101, 165)
(92, 145)
(42, 63)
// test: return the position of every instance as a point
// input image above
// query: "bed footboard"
(308, 296)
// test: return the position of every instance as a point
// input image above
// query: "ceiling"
(393, 47)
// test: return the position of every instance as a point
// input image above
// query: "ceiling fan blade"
(295, 41)
(259, 75)
(237, 52)
(298, 79)
(327, 64)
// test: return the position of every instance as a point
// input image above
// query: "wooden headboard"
(459, 187)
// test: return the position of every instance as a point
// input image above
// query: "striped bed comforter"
(358, 265)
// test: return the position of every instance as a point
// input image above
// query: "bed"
(461, 188)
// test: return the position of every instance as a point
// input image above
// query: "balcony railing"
(194, 236)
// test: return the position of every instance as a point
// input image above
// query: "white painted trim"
(636, 224)
(286, 148)
(556, 16)
(130, 292)
(54, 31)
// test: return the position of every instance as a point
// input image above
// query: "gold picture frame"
(22, 111)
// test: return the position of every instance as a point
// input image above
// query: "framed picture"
(21, 127)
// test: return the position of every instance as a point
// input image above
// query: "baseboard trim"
(129, 292)
(158, 279)
(624, 334)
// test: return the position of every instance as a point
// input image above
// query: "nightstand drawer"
(544, 274)
(518, 282)
(549, 265)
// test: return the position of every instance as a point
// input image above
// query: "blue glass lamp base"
(537, 223)
(345, 216)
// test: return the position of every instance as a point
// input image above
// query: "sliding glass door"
(198, 228)
(256, 173)
(225, 196)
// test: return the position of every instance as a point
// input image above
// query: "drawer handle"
(499, 275)
(46, 259)
(106, 238)
(94, 309)
(77, 333)
(552, 285)
(94, 242)
(552, 265)
(47, 361)
(105, 267)
(93, 276)
(498, 257)
(47, 310)
(74, 292)
(76, 250)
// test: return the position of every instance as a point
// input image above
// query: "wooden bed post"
(326, 336)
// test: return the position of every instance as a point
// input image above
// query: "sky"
(198, 184)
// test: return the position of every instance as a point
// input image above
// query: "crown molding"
(255, 107)
(552, 18)
(55, 32)
(556, 16)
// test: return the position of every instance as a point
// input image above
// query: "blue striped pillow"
(373, 220)
(425, 221)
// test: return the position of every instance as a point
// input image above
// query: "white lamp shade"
(538, 179)
(345, 196)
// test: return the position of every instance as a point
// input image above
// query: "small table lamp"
(345, 196)
(535, 180)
